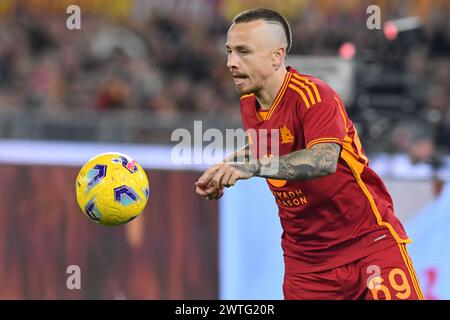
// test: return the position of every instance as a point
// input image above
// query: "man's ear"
(278, 57)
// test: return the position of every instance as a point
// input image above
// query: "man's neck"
(273, 85)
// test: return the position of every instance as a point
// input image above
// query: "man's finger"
(207, 176)
(216, 180)
(209, 189)
(217, 195)
(226, 177)
(234, 178)
(200, 191)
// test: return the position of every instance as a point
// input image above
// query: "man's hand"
(216, 178)
(214, 196)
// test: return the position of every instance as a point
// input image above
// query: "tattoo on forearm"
(319, 161)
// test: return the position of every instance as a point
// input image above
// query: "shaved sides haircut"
(269, 16)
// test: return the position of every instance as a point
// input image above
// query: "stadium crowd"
(169, 63)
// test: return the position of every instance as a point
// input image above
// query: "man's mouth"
(239, 79)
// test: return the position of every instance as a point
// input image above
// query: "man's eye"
(244, 51)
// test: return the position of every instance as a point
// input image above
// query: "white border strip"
(69, 153)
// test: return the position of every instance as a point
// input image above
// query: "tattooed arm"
(321, 160)
(318, 161)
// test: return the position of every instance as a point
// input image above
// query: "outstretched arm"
(318, 161)
(321, 160)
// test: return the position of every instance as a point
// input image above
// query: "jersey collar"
(264, 116)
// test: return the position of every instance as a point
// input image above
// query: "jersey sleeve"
(323, 121)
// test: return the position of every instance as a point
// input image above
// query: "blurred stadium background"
(136, 71)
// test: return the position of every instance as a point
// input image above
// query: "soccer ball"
(112, 189)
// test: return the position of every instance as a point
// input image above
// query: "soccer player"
(341, 239)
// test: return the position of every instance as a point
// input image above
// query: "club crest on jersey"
(286, 135)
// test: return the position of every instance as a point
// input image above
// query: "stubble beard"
(248, 89)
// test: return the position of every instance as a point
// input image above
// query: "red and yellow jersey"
(332, 220)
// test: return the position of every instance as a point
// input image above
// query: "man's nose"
(232, 62)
